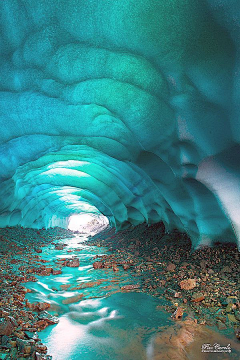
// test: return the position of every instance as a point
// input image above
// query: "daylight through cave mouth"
(86, 223)
(134, 118)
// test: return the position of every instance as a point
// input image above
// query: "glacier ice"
(126, 108)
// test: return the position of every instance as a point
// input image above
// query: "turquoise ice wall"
(129, 108)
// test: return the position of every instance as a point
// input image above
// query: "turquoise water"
(105, 323)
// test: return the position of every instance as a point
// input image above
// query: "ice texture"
(126, 108)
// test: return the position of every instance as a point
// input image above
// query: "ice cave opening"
(87, 223)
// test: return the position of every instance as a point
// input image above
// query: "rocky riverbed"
(199, 290)
(204, 283)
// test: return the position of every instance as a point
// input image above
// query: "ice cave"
(123, 115)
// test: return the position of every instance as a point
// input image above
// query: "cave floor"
(137, 294)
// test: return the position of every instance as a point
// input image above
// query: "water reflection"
(120, 326)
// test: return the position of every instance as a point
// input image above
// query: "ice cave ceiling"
(129, 108)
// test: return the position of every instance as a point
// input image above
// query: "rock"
(25, 346)
(177, 315)
(130, 287)
(173, 293)
(125, 266)
(48, 270)
(73, 263)
(226, 269)
(229, 307)
(97, 265)
(231, 299)
(197, 297)
(56, 271)
(6, 327)
(31, 335)
(237, 315)
(59, 247)
(5, 342)
(65, 286)
(41, 348)
(72, 299)
(49, 318)
(38, 306)
(232, 318)
(221, 325)
(188, 284)
(203, 264)
(171, 267)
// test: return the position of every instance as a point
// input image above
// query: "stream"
(104, 323)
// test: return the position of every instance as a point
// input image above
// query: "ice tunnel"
(124, 108)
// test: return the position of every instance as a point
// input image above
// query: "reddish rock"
(177, 315)
(6, 327)
(188, 284)
(38, 306)
(171, 267)
(197, 297)
(56, 272)
(130, 287)
(97, 265)
(72, 299)
(59, 247)
(65, 286)
(73, 263)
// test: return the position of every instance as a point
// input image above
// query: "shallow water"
(106, 323)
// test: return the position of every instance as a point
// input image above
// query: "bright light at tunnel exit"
(76, 222)
(83, 221)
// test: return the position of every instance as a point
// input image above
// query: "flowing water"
(105, 323)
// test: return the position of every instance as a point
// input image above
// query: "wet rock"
(59, 247)
(72, 299)
(41, 348)
(188, 284)
(39, 356)
(31, 335)
(25, 346)
(73, 263)
(56, 271)
(130, 287)
(97, 265)
(38, 306)
(48, 317)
